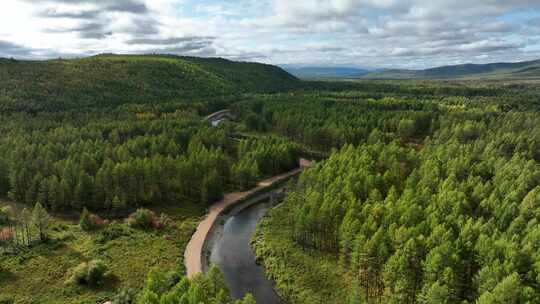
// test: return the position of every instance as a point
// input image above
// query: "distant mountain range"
(325, 72)
(524, 69)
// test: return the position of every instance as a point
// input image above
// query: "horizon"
(283, 66)
(365, 34)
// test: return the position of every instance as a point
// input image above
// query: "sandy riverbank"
(194, 250)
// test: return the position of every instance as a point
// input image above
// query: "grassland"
(38, 274)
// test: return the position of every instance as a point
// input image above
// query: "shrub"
(144, 218)
(6, 300)
(6, 234)
(165, 220)
(4, 215)
(79, 274)
(91, 221)
(141, 218)
(125, 296)
(92, 273)
(97, 271)
(112, 232)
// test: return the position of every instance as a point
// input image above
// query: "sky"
(410, 34)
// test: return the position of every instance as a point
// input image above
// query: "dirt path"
(194, 249)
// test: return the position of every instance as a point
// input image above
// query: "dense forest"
(424, 192)
(121, 143)
(111, 162)
(112, 80)
(426, 201)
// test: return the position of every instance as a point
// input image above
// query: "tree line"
(124, 161)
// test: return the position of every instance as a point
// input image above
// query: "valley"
(419, 190)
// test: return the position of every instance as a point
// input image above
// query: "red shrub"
(157, 224)
(97, 221)
(144, 218)
(6, 234)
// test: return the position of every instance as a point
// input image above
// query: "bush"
(79, 273)
(91, 221)
(6, 234)
(4, 215)
(112, 232)
(144, 218)
(125, 296)
(97, 271)
(6, 300)
(92, 273)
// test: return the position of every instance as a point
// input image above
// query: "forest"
(110, 80)
(421, 191)
(138, 173)
(421, 201)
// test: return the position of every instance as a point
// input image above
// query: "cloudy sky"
(362, 33)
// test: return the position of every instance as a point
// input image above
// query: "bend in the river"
(193, 256)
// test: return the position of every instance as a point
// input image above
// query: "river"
(232, 253)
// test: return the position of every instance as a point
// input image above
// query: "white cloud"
(357, 32)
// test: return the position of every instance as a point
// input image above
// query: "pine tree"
(40, 220)
(118, 205)
(86, 222)
(4, 178)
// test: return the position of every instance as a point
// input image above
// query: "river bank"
(230, 250)
(194, 254)
(296, 272)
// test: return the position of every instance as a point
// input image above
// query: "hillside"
(325, 72)
(111, 80)
(525, 69)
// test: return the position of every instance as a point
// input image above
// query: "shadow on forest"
(110, 284)
(6, 275)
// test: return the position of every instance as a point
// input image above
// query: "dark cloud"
(169, 41)
(189, 45)
(96, 22)
(127, 6)
(92, 31)
(141, 26)
(245, 56)
(473, 48)
(182, 51)
(10, 49)
(89, 30)
(54, 13)
(194, 48)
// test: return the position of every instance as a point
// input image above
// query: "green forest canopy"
(428, 200)
(430, 193)
(111, 80)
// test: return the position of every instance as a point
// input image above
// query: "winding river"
(232, 253)
(223, 238)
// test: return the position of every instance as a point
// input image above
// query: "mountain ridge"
(529, 68)
(111, 80)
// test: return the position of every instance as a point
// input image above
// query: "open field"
(38, 274)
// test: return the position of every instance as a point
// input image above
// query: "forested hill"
(521, 70)
(111, 80)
